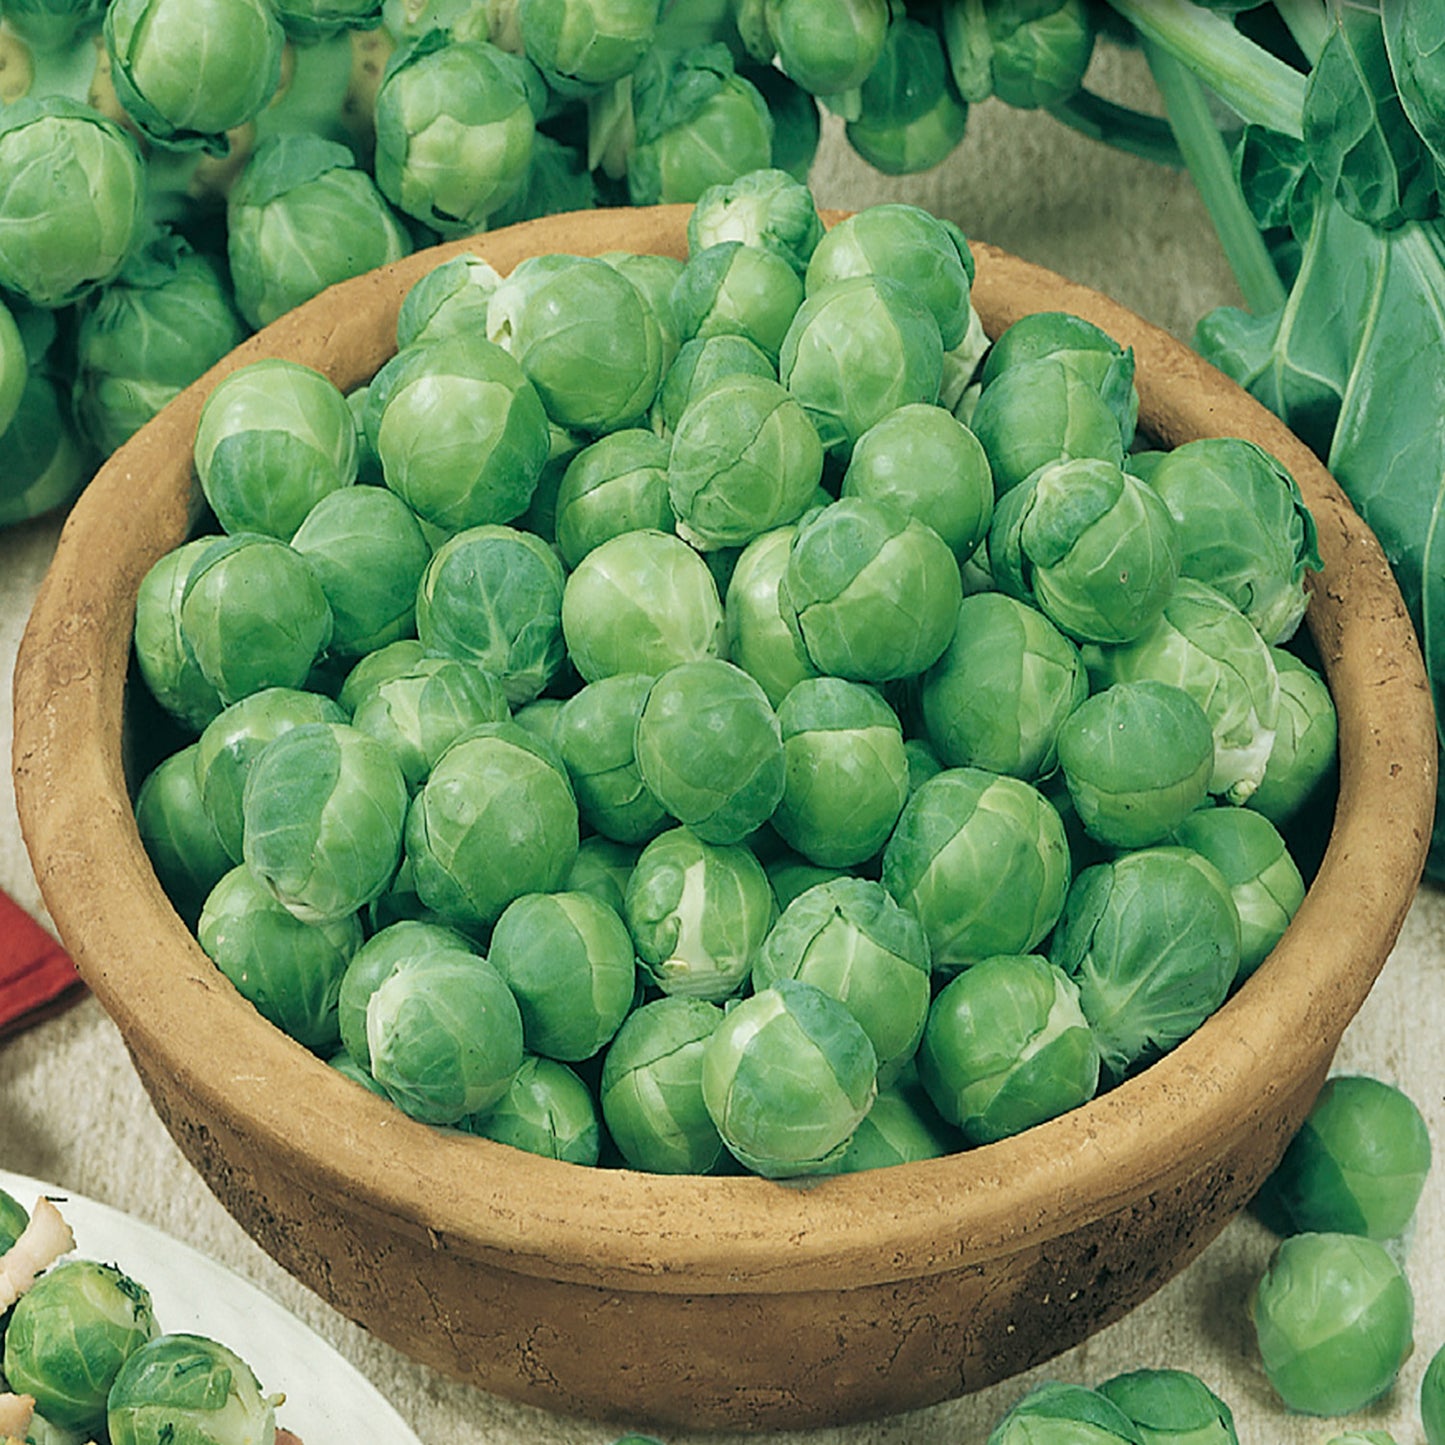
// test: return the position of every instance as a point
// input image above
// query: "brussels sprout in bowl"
(755, 1303)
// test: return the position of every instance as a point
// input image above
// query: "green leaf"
(1415, 41)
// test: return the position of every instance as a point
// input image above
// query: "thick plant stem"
(1208, 160)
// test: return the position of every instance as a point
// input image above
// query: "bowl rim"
(703, 1234)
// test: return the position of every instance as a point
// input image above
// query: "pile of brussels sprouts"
(173, 176)
(84, 1344)
(724, 714)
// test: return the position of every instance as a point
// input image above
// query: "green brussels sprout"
(495, 819)
(858, 349)
(493, 595)
(1039, 411)
(452, 297)
(873, 593)
(46, 461)
(395, 659)
(923, 763)
(846, 774)
(455, 128)
(767, 208)
(164, 320)
(602, 868)
(231, 742)
(1334, 1321)
(1029, 54)
(1357, 1165)
(1206, 645)
(1305, 743)
(924, 461)
(698, 913)
(186, 1386)
(1432, 1398)
(656, 280)
(301, 217)
(1137, 759)
(710, 750)
(901, 1127)
(1263, 879)
(1002, 689)
(580, 45)
(72, 190)
(1172, 1407)
(179, 838)
(828, 49)
(702, 363)
(584, 335)
(52, 25)
(613, 485)
(546, 1110)
(651, 1088)
(698, 124)
(965, 839)
(640, 602)
(744, 459)
(170, 672)
(569, 962)
(1152, 940)
(734, 288)
(791, 874)
(68, 1336)
(253, 615)
(854, 942)
(787, 1077)
(13, 1219)
(445, 1035)
(274, 437)
(1054, 1413)
(308, 20)
(1006, 1046)
(910, 114)
(1090, 545)
(757, 636)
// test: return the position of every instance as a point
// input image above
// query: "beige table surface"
(72, 1111)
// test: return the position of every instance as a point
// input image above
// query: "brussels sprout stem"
(1119, 126)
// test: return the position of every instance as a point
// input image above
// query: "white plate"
(328, 1402)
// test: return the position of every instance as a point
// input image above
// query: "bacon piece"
(41, 1243)
(16, 1412)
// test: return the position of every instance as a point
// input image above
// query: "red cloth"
(37, 978)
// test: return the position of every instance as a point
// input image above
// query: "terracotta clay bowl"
(730, 1303)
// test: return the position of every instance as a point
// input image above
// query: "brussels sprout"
(700, 364)
(13, 1219)
(584, 335)
(766, 208)
(1206, 645)
(274, 437)
(1137, 759)
(966, 838)
(1002, 689)
(698, 124)
(1334, 1319)
(641, 602)
(790, 875)
(1357, 1165)
(493, 595)
(1172, 1407)
(46, 463)
(1090, 545)
(253, 615)
(846, 774)
(698, 913)
(744, 459)
(396, 659)
(1152, 940)
(1305, 740)
(51, 25)
(602, 868)
(828, 49)
(854, 942)
(187, 1386)
(1040, 411)
(651, 1088)
(445, 1035)
(616, 484)
(858, 349)
(1432, 1398)
(874, 594)
(546, 1110)
(179, 838)
(461, 433)
(302, 217)
(307, 20)
(68, 1336)
(733, 288)
(1006, 1046)
(72, 190)
(495, 819)
(170, 672)
(231, 741)
(710, 750)
(569, 962)
(579, 45)
(1054, 1413)
(787, 1077)
(455, 127)
(656, 278)
(1263, 879)
(451, 298)
(901, 1127)
(1030, 53)
(758, 638)
(924, 461)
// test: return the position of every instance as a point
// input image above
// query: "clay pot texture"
(733, 1303)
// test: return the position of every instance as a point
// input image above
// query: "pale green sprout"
(274, 437)
(828, 49)
(1006, 1046)
(579, 45)
(1055, 1413)
(602, 868)
(1334, 1321)
(46, 461)
(1306, 740)
(616, 484)
(546, 1110)
(395, 659)
(735, 288)
(1029, 54)
(767, 208)
(179, 838)
(698, 914)
(1432, 1398)
(901, 1127)
(966, 838)
(307, 20)
(453, 296)
(758, 638)
(787, 1077)
(700, 364)
(1172, 1407)
(655, 277)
